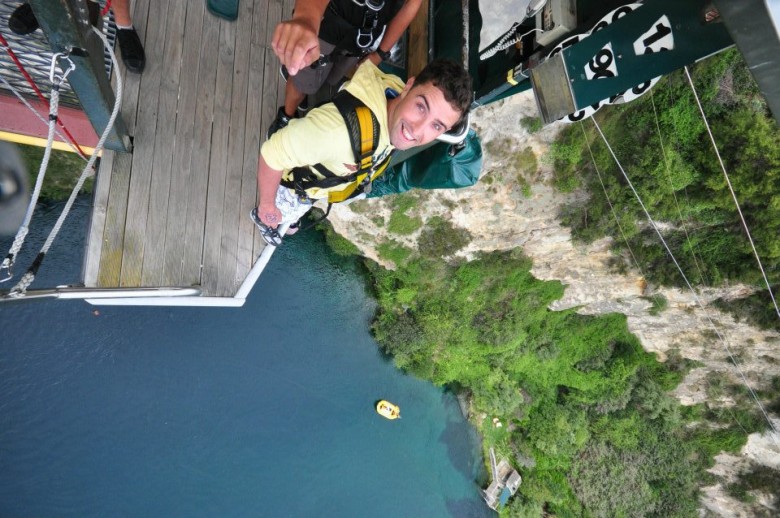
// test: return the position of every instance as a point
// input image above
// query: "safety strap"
(357, 41)
(363, 128)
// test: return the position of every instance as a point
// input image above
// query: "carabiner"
(10, 273)
(53, 68)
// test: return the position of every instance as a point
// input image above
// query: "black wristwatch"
(384, 54)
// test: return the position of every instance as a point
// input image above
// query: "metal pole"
(66, 25)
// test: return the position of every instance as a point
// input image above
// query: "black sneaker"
(22, 21)
(269, 235)
(132, 50)
(281, 120)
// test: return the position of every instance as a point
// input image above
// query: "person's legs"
(121, 10)
(130, 45)
(292, 98)
(306, 82)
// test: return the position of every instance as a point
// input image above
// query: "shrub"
(440, 238)
(393, 251)
(531, 124)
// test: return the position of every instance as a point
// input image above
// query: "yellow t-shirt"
(322, 138)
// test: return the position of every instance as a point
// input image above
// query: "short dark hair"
(452, 79)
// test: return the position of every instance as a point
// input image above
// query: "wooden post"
(66, 25)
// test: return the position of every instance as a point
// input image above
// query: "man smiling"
(314, 157)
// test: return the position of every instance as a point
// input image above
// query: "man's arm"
(396, 28)
(268, 180)
(295, 41)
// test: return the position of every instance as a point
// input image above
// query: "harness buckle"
(374, 5)
(364, 36)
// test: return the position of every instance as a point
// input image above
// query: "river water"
(263, 411)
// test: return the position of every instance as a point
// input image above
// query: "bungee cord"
(21, 234)
(774, 434)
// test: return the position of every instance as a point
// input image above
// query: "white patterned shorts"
(290, 205)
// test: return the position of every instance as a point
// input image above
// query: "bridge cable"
(674, 194)
(641, 271)
(27, 279)
(774, 435)
(609, 202)
(734, 196)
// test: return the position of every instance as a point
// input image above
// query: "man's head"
(430, 104)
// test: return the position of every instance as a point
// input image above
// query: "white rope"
(674, 194)
(27, 279)
(40, 117)
(505, 42)
(21, 234)
(609, 202)
(734, 196)
(773, 435)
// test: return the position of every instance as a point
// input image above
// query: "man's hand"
(296, 44)
(269, 215)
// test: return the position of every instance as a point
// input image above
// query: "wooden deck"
(175, 212)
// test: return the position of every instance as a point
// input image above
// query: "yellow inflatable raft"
(388, 410)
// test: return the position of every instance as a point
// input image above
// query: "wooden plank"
(417, 53)
(255, 133)
(201, 150)
(227, 281)
(118, 176)
(143, 153)
(116, 213)
(219, 155)
(97, 220)
(185, 130)
(165, 142)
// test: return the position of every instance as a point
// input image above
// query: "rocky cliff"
(514, 205)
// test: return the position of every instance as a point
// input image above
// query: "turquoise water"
(263, 411)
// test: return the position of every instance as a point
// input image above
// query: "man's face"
(419, 115)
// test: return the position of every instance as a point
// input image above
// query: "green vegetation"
(338, 244)
(440, 238)
(676, 172)
(585, 409)
(531, 124)
(758, 479)
(62, 172)
(400, 223)
(393, 251)
(659, 303)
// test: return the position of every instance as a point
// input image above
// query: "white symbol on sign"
(602, 64)
(658, 38)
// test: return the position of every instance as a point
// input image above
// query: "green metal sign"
(654, 39)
